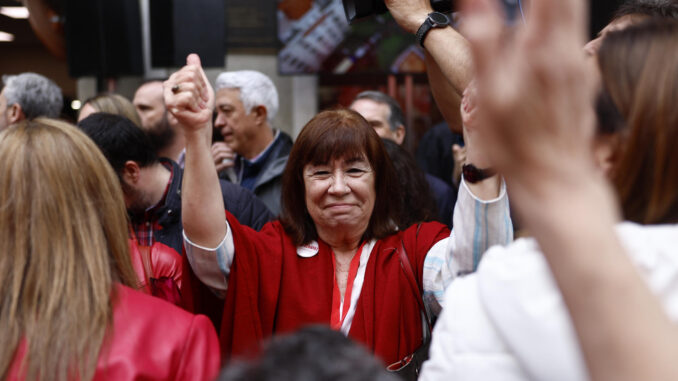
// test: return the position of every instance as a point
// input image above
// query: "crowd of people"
(181, 236)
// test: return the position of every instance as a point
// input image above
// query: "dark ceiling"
(21, 29)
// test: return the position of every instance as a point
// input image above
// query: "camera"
(356, 9)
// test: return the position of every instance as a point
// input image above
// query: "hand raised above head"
(189, 98)
(533, 88)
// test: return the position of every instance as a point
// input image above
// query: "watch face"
(439, 18)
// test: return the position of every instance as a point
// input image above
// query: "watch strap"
(423, 29)
(430, 23)
(473, 175)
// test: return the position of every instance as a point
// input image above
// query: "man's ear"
(399, 134)
(260, 113)
(15, 113)
(131, 172)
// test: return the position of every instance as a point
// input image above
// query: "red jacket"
(272, 290)
(160, 272)
(151, 340)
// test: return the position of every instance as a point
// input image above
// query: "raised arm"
(537, 100)
(448, 57)
(481, 217)
(189, 98)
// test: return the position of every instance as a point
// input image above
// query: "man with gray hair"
(384, 114)
(28, 96)
(253, 154)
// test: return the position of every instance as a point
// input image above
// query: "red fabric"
(263, 299)
(166, 269)
(198, 298)
(151, 340)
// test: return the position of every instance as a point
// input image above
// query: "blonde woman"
(110, 103)
(66, 308)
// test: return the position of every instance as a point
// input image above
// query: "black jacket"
(248, 209)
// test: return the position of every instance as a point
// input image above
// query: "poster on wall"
(315, 38)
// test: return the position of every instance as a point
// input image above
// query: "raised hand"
(189, 98)
(534, 90)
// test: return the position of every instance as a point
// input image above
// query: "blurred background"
(316, 59)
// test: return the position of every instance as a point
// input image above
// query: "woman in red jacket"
(338, 256)
(66, 308)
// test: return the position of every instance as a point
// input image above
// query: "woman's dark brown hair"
(330, 135)
(421, 205)
(639, 67)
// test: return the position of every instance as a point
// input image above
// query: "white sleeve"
(212, 265)
(478, 225)
(465, 344)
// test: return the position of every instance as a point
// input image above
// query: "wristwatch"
(474, 175)
(433, 20)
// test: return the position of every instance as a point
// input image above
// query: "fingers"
(194, 60)
(188, 95)
(223, 156)
(221, 150)
(559, 19)
(483, 25)
(459, 153)
(186, 86)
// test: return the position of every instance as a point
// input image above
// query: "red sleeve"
(200, 359)
(253, 286)
(418, 240)
(166, 263)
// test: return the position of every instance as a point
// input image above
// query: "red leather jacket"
(151, 340)
(159, 270)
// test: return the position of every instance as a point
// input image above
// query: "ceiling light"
(76, 104)
(15, 12)
(6, 37)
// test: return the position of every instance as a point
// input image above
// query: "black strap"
(418, 292)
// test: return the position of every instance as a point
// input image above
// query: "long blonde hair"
(63, 243)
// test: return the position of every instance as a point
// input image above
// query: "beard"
(161, 134)
(136, 201)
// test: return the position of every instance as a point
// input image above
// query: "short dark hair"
(119, 139)
(312, 353)
(651, 8)
(396, 117)
(421, 205)
(332, 135)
